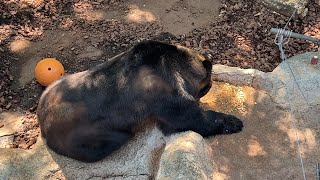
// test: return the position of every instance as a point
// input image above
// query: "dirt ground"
(83, 33)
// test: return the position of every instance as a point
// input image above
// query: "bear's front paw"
(232, 124)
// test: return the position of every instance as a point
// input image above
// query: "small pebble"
(8, 106)
(10, 77)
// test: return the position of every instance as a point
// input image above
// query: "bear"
(90, 114)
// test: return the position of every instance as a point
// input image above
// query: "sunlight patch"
(140, 16)
(306, 136)
(255, 148)
(228, 98)
(19, 45)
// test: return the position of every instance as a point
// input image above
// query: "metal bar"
(296, 35)
(318, 172)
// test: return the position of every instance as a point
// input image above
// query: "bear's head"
(185, 69)
(196, 72)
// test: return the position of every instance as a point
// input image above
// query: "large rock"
(304, 88)
(279, 84)
(135, 160)
(287, 7)
(186, 156)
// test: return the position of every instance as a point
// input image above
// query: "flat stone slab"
(10, 123)
(276, 116)
(287, 7)
(266, 148)
(27, 164)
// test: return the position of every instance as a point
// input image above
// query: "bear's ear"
(208, 65)
(152, 48)
(149, 51)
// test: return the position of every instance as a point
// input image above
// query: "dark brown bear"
(90, 114)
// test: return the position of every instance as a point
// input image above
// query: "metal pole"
(295, 35)
(318, 172)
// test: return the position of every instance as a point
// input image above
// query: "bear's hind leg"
(94, 148)
(91, 147)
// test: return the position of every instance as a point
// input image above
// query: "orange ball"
(48, 70)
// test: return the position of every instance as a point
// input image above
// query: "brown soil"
(82, 33)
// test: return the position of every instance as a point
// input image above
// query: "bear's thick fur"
(90, 114)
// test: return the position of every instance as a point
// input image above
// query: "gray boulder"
(186, 156)
(287, 7)
(307, 76)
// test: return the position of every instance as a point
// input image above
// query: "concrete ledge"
(244, 77)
